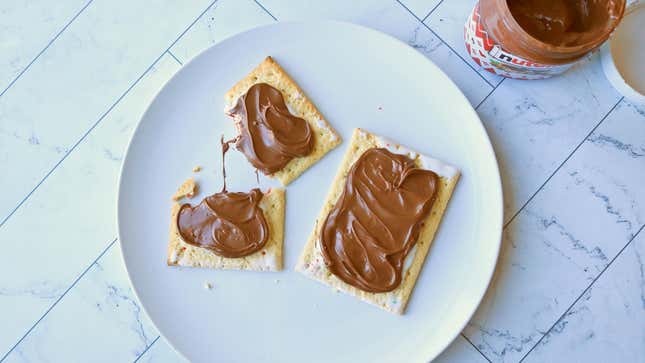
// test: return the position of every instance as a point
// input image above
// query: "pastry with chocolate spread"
(270, 136)
(229, 230)
(229, 224)
(378, 221)
(281, 132)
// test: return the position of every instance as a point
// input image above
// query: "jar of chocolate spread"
(535, 39)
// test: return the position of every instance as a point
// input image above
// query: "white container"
(623, 56)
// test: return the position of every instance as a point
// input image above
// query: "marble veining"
(609, 208)
(574, 243)
(604, 140)
(564, 239)
(570, 282)
(448, 20)
(549, 118)
(511, 342)
(424, 46)
(561, 325)
(421, 8)
(87, 177)
(641, 268)
(138, 326)
(103, 298)
(40, 290)
(19, 48)
(605, 323)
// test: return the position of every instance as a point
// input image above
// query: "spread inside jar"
(377, 220)
(565, 22)
(270, 135)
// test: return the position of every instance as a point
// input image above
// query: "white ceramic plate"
(358, 78)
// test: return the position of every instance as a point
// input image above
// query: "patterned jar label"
(493, 58)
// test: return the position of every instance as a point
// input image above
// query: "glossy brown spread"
(270, 136)
(376, 220)
(549, 32)
(563, 22)
(229, 224)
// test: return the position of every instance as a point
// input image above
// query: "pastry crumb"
(197, 169)
(188, 189)
(208, 285)
(277, 281)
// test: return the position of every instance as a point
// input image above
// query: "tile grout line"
(444, 43)
(181, 63)
(73, 147)
(103, 116)
(540, 188)
(265, 9)
(437, 35)
(174, 57)
(564, 162)
(488, 95)
(424, 22)
(431, 11)
(60, 161)
(147, 348)
(459, 55)
(474, 346)
(45, 48)
(59, 299)
(583, 292)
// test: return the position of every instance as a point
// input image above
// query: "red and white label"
(493, 58)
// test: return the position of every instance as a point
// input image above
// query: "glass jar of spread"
(535, 39)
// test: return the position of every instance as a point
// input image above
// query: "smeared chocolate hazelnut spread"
(270, 136)
(227, 223)
(225, 147)
(377, 219)
(231, 224)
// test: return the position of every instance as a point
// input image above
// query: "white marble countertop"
(75, 76)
